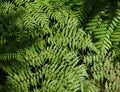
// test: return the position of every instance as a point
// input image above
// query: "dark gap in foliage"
(52, 22)
(102, 84)
(31, 87)
(39, 86)
(23, 4)
(75, 7)
(47, 44)
(113, 2)
(43, 77)
(3, 77)
(68, 46)
(80, 62)
(89, 72)
(46, 61)
(31, 0)
(104, 18)
(33, 70)
(46, 36)
(83, 52)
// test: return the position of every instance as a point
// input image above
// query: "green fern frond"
(104, 27)
(59, 45)
(8, 56)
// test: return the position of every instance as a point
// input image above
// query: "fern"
(59, 45)
(106, 23)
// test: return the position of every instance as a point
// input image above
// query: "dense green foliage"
(59, 45)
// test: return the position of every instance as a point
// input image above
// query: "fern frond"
(104, 28)
(23, 80)
(8, 56)
(59, 45)
(103, 70)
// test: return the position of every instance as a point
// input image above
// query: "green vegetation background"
(59, 45)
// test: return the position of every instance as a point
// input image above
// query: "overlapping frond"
(104, 25)
(59, 45)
